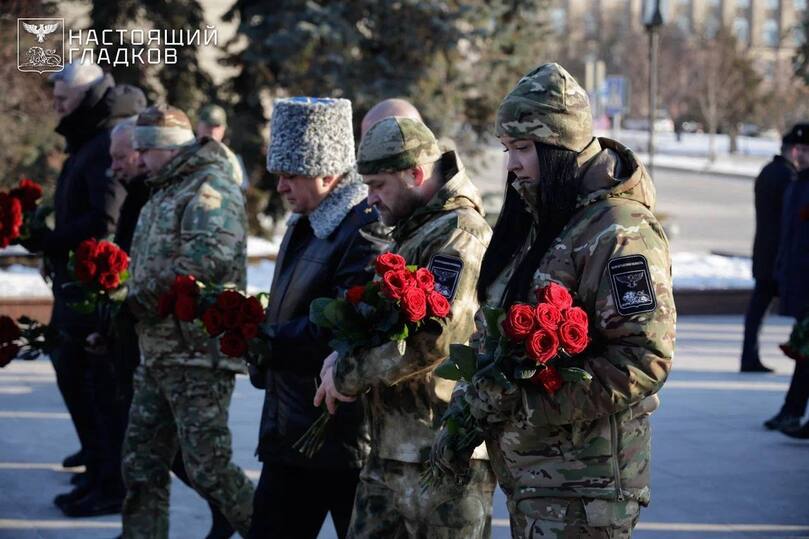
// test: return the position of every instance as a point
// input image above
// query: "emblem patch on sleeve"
(447, 271)
(631, 284)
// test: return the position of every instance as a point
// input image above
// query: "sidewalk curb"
(716, 301)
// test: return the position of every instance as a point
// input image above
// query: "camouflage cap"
(213, 115)
(162, 127)
(547, 106)
(396, 143)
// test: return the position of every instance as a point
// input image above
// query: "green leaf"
(316, 312)
(574, 374)
(402, 334)
(119, 295)
(493, 317)
(448, 370)
(465, 358)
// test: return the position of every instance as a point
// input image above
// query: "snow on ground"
(259, 276)
(17, 281)
(257, 247)
(693, 271)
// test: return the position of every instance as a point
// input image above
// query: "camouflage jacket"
(405, 403)
(594, 441)
(193, 224)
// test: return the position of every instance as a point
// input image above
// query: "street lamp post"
(652, 20)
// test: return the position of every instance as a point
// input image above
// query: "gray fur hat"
(311, 136)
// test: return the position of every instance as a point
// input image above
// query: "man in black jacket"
(770, 185)
(86, 203)
(328, 247)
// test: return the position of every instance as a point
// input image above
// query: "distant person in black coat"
(791, 269)
(770, 185)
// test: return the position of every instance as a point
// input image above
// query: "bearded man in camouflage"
(575, 463)
(438, 218)
(193, 224)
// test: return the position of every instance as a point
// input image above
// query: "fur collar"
(333, 209)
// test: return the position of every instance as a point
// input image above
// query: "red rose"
(9, 330)
(574, 337)
(251, 311)
(425, 279)
(230, 300)
(165, 304)
(354, 294)
(118, 261)
(7, 353)
(85, 270)
(185, 285)
(232, 319)
(576, 315)
(389, 262)
(249, 331)
(396, 282)
(555, 294)
(414, 304)
(548, 316)
(519, 322)
(232, 344)
(109, 280)
(212, 319)
(542, 346)
(106, 249)
(439, 306)
(87, 250)
(548, 378)
(28, 192)
(185, 309)
(10, 219)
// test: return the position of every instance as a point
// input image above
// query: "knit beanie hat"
(547, 106)
(162, 127)
(311, 136)
(396, 143)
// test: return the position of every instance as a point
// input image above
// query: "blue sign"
(615, 95)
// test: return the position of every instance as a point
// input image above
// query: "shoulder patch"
(447, 271)
(631, 285)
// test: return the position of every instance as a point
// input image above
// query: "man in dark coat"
(770, 185)
(793, 288)
(86, 203)
(328, 247)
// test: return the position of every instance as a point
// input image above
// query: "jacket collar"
(90, 117)
(333, 209)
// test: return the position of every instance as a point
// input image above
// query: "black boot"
(783, 421)
(80, 491)
(75, 460)
(95, 503)
(802, 433)
(755, 367)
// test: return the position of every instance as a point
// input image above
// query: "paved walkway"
(716, 473)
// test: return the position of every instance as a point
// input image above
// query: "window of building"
(798, 35)
(773, 5)
(684, 23)
(559, 19)
(742, 4)
(590, 24)
(770, 34)
(800, 5)
(742, 30)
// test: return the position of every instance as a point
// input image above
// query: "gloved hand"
(491, 401)
(448, 458)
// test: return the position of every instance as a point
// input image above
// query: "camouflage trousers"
(573, 518)
(186, 409)
(390, 504)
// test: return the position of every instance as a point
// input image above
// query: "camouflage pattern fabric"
(548, 106)
(390, 504)
(564, 518)
(194, 224)
(594, 441)
(396, 143)
(406, 401)
(186, 409)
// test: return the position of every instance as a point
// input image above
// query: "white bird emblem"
(631, 280)
(40, 31)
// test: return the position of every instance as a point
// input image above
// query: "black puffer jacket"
(87, 198)
(314, 261)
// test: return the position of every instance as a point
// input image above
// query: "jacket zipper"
(616, 470)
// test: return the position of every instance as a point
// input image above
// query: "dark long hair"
(556, 202)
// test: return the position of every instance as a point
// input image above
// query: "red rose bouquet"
(225, 314)
(24, 339)
(397, 302)
(20, 214)
(535, 344)
(100, 271)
